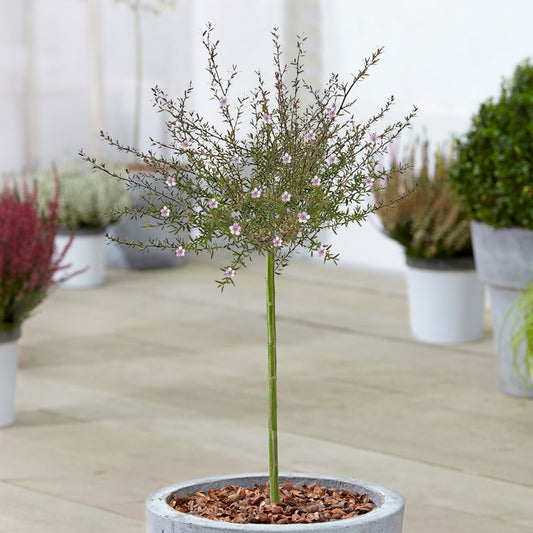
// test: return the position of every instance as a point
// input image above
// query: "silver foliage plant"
(295, 172)
(86, 199)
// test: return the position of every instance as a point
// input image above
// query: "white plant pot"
(86, 254)
(387, 517)
(8, 375)
(445, 302)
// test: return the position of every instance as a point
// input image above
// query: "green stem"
(138, 74)
(272, 381)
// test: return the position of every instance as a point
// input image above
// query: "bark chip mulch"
(305, 504)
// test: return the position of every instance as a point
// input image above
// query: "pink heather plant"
(27, 261)
(310, 164)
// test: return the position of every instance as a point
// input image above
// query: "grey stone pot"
(504, 261)
(131, 230)
(386, 518)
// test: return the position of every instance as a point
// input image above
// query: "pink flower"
(267, 119)
(310, 136)
(223, 101)
(229, 272)
(256, 193)
(185, 145)
(374, 138)
(171, 181)
(235, 229)
(213, 204)
(286, 159)
(277, 242)
(236, 160)
(285, 197)
(180, 252)
(369, 180)
(303, 217)
(332, 159)
(315, 182)
(165, 211)
(332, 112)
(321, 252)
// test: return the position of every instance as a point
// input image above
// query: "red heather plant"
(269, 190)
(27, 263)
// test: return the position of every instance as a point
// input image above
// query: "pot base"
(387, 517)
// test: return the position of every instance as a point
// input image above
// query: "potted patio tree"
(27, 269)
(445, 294)
(86, 203)
(493, 176)
(265, 191)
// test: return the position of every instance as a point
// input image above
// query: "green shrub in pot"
(493, 171)
(493, 176)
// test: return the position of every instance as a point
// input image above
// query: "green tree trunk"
(272, 381)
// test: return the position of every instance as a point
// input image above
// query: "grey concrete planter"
(386, 518)
(504, 261)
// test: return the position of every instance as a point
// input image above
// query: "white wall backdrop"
(67, 69)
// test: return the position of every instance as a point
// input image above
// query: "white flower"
(256, 193)
(180, 252)
(235, 229)
(213, 204)
(277, 242)
(229, 272)
(303, 217)
(171, 181)
(165, 211)
(286, 159)
(285, 197)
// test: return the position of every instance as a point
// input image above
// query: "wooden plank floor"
(157, 378)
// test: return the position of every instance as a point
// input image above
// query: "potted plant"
(27, 268)
(445, 295)
(132, 229)
(86, 204)
(266, 191)
(493, 176)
